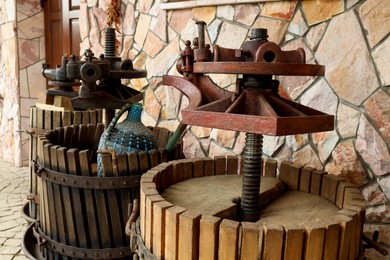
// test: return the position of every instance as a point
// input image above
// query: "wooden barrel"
(83, 216)
(42, 120)
(188, 211)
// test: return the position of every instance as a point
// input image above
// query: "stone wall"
(22, 54)
(31, 47)
(9, 94)
(351, 38)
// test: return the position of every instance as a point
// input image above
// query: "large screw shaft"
(252, 171)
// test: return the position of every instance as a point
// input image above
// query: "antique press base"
(187, 212)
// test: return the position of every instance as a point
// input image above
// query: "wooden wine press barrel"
(83, 216)
(42, 120)
(188, 211)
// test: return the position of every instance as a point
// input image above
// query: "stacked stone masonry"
(351, 38)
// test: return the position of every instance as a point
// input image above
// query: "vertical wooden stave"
(58, 198)
(49, 208)
(209, 237)
(116, 221)
(171, 231)
(159, 215)
(228, 239)
(188, 247)
(272, 241)
(293, 242)
(74, 169)
(89, 200)
(250, 246)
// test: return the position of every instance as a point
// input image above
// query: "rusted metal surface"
(100, 78)
(255, 106)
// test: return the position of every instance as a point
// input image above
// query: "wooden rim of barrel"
(332, 237)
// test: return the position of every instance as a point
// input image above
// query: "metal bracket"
(372, 243)
(33, 197)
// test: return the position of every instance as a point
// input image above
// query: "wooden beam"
(201, 3)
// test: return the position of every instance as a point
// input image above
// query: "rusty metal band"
(260, 68)
(89, 182)
(82, 253)
(35, 132)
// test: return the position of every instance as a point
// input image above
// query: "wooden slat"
(332, 235)
(33, 183)
(57, 119)
(77, 117)
(293, 245)
(351, 195)
(171, 231)
(290, 174)
(228, 239)
(93, 117)
(159, 209)
(85, 118)
(251, 247)
(270, 168)
(66, 118)
(98, 132)
(346, 227)
(208, 168)
(220, 165)
(68, 202)
(329, 186)
(91, 139)
(177, 171)
(208, 237)
(75, 137)
(68, 135)
(295, 176)
(304, 184)
(354, 231)
(90, 204)
(148, 236)
(273, 241)
(167, 179)
(188, 169)
(58, 203)
(74, 169)
(189, 235)
(198, 167)
(57, 192)
(316, 181)
(284, 168)
(231, 164)
(133, 164)
(163, 154)
(143, 162)
(116, 223)
(48, 209)
(314, 241)
(82, 143)
(148, 189)
(341, 192)
(125, 194)
(48, 119)
(153, 158)
(100, 115)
